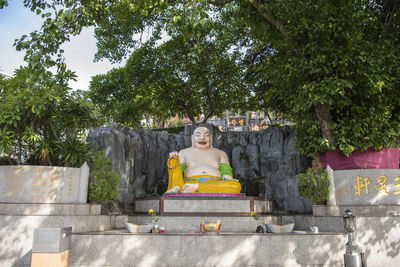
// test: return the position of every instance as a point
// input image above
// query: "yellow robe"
(207, 183)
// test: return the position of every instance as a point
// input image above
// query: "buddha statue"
(201, 168)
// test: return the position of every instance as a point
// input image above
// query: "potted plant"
(104, 180)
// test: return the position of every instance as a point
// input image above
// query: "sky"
(16, 20)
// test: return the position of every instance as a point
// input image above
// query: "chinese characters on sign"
(38, 184)
(46, 185)
(362, 184)
(238, 121)
(13, 185)
(397, 179)
(366, 186)
(43, 184)
(258, 127)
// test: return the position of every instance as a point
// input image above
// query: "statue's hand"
(173, 155)
(227, 177)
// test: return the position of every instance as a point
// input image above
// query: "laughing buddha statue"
(201, 168)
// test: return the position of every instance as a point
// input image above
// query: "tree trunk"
(326, 122)
(190, 115)
(19, 154)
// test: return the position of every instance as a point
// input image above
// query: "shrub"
(103, 179)
(314, 184)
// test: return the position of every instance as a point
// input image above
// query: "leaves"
(314, 184)
(342, 56)
(104, 180)
(334, 55)
(44, 123)
(179, 77)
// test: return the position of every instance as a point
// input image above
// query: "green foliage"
(103, 179)
(175, 78)
(330, 63)
(314, 184)
(332, 66)
(3, 3)
(44, 123)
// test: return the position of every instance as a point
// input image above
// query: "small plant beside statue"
(314, 184)
(104, 180)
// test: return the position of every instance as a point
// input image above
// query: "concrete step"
(187, 224)
(119, 248)
(49, 209)
(210, 206)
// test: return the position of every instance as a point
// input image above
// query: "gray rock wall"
(265, 162)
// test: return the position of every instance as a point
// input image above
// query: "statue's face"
(202, 138)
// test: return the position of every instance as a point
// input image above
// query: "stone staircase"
(102, 240)
(183, 245)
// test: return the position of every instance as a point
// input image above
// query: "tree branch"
(276, 23)
(389, 15)
(213, 105)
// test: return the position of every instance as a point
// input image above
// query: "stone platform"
(203, 206)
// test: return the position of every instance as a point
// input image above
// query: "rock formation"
(265, 162)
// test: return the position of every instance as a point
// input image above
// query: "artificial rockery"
(265, 162)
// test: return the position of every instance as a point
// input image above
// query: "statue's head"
(202, 138)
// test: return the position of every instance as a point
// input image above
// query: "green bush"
(314, 184)
(103, 179)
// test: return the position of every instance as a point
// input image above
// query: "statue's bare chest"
(199, 158)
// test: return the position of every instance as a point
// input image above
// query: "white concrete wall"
(43, 184)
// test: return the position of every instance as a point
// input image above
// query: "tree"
(188, 77)
(43, 123)
(332, 65)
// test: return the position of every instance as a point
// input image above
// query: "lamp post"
(353, 256)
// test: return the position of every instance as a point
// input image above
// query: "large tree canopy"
(183, 76)
(332, 65)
